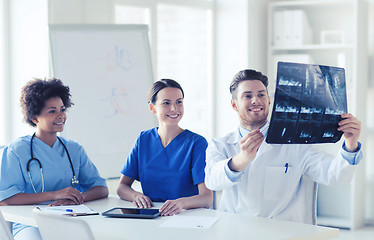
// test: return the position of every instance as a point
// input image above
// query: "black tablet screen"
(132, 212)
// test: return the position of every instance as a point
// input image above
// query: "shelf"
(312, 47)
(310, 3)
(308, 21)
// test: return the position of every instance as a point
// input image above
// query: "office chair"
(58, 227)
(5, 227)
(5, 232)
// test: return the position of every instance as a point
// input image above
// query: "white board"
(109, 72)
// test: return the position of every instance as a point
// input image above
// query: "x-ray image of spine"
(308, 102)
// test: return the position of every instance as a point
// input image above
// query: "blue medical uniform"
(171, 172)
(57, 171)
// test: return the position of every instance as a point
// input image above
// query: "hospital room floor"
(366, 233)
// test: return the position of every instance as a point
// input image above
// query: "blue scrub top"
(57, 171)
(171, 172)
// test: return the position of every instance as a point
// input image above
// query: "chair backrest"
(314, 205)
(57, 227)
(5, 232)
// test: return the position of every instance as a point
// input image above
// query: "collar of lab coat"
(235, 137)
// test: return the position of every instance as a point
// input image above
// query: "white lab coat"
(265, 189)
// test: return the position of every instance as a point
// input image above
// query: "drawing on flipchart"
(117, 102)
(116, 98)
(109, 70)
(119, 58)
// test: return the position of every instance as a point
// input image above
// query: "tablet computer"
(120, 212)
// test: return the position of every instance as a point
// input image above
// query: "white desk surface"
(228, 226)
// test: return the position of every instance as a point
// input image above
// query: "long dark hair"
(159, 85)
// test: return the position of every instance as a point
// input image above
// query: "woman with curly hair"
(45, 168)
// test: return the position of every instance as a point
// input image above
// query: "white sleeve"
(215, 173)
(326, 169)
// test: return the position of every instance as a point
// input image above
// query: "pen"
(59, 209)
(286, 166)
(265, 128)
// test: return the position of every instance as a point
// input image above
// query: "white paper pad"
(189, 222)
(69, 210)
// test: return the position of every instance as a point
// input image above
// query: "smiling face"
(252, 104)
(169, 106)
(52, 117)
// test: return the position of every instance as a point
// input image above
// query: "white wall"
(4, 91)
(80, 11)
(370, 120)
(240, 43)
(257, 40)
(371, 45)
(231, 56)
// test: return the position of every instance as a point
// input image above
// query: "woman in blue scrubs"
(44, 168)
(168, 161)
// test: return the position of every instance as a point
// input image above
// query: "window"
(183, 42)
(181, 46)
(131, 15)
(21, 59)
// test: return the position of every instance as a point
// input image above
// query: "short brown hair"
(247, 74)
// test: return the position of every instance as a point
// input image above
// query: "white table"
(228, 227)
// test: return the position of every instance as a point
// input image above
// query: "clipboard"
(69, 210)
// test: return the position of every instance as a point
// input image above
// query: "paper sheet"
(73, 210)
(189, 222)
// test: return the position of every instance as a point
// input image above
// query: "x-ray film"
(308, 102)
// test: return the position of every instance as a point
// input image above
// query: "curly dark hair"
(36, 92)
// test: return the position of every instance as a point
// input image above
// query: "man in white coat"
(273, 180)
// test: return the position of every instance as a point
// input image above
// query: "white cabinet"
(334, 33)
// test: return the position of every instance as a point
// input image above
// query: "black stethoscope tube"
(74, 180)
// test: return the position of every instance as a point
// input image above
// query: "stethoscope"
(74, 180)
